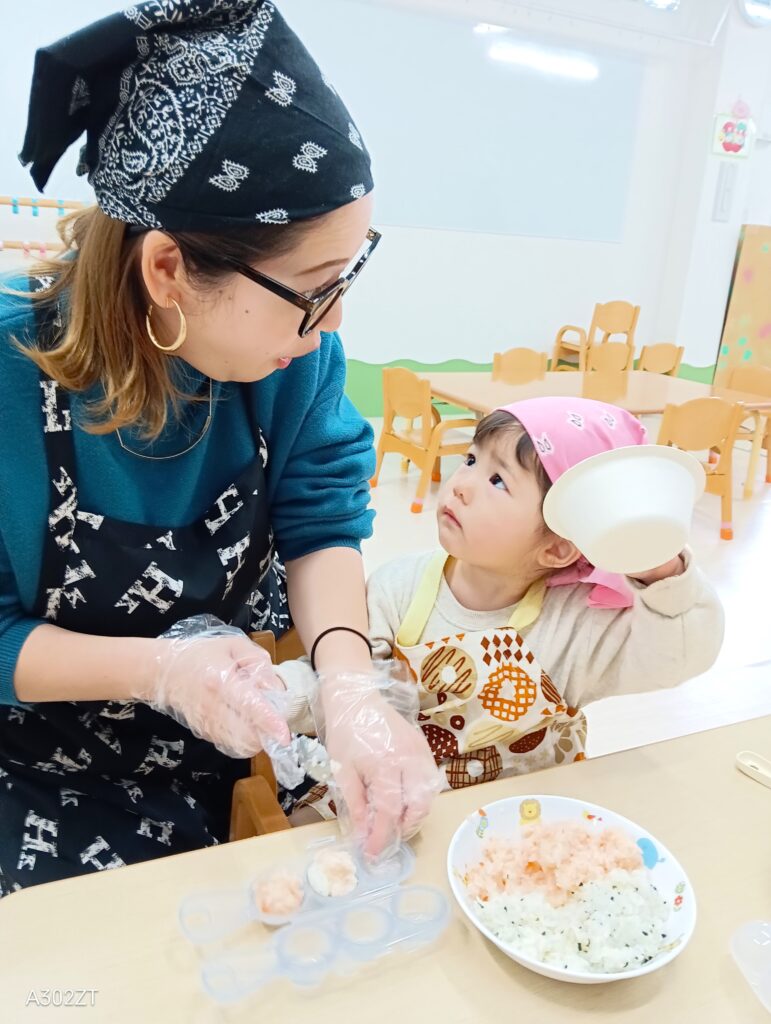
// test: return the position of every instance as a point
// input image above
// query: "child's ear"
(557, 553)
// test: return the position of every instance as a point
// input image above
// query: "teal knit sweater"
(320, 461)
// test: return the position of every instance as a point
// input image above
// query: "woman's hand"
(382, 763)
(211, 678)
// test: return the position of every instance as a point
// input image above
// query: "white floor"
(738, 686)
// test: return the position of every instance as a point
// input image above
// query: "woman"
(165, 450)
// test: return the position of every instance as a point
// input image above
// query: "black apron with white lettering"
(92, 785)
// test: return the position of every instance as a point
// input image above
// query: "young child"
(507, 631)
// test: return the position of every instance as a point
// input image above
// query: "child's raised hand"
(674, 567)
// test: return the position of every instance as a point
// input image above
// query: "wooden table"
(639, 392)
(116, 931)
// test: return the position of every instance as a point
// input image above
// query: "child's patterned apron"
(487, 706)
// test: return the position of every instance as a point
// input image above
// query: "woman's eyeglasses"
(315, 306)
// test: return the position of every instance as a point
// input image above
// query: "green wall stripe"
(703, 374)
(365, 380)
(365, 388)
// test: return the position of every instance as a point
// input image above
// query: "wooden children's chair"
(703, 425)
(757, 381)
(255, 810)
(613, 357)
(663, 358)
(406, 396)
(519, 365)
(609, 319)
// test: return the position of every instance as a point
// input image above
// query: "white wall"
(463, 142)
(431, 295)
(37, 23)
(758, 205)
(452, 294)
(674, 260)
(34, 24)
(745, 72)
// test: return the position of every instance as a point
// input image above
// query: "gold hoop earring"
(181, 335)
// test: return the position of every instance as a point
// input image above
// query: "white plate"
(504, 817)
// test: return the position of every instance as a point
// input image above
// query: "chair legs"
(425, 477)
(726, 513)
(406, 462)
(431, 468)
(757, 444)
(378, 463)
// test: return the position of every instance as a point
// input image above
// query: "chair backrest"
(663, 358)
(756, 380)
(614, 318)
(702, 424)
(288, 647)
(609, 358)
(519, 365)
(405, 394)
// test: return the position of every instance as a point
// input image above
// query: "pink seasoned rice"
(279, 895)
(553, 859)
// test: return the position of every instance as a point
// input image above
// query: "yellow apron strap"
(421, 606)
(529, 608)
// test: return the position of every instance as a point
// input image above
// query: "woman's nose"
(333, 318)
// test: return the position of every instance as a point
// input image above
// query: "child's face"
(489, 512)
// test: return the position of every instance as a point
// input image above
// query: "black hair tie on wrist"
(336, 629)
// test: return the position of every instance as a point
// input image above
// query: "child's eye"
(497, 481)
(469, 459)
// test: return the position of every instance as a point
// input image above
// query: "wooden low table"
(116, 932)
(637, 391)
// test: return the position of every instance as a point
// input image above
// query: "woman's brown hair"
(104, 340)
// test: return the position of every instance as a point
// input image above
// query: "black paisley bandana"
(198, 114)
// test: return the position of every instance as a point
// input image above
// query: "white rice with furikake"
(570, 897)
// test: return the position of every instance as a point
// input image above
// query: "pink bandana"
(565, 431)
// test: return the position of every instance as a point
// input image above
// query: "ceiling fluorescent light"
(758, 11)
(549, 62)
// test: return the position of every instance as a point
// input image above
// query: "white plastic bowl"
(503, 821)
(627, 510)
